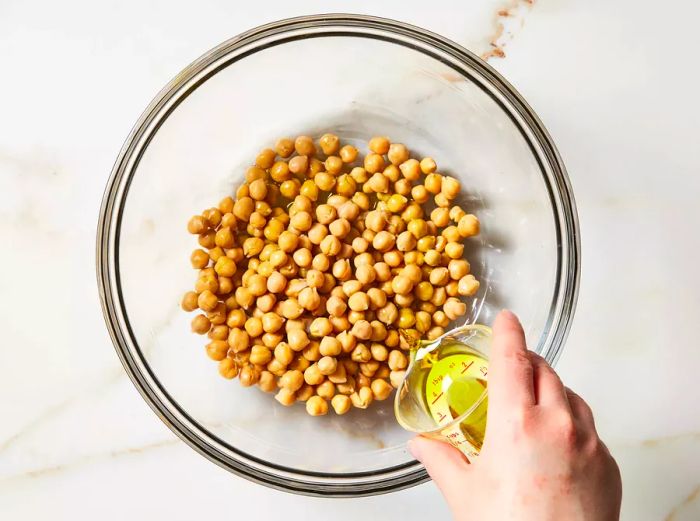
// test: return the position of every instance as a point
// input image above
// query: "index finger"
(511, 382)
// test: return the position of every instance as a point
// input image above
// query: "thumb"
(447, 467)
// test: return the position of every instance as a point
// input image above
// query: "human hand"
(542, 458)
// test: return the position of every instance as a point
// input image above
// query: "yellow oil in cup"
(444, 394)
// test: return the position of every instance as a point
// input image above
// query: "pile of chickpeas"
(307, 275)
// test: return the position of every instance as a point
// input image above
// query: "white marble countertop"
(613, 82)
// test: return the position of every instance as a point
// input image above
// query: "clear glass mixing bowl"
(357, 76)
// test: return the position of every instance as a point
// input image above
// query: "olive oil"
(444, 393)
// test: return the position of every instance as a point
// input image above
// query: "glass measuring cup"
(444, 393)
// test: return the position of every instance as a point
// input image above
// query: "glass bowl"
(357, 76)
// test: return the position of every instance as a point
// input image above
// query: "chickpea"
(285, 397)
(424, 290)
(320, 327)
(454, 308)
(189, 301)
(260, 355)
(432, 258)
(330, 245)
(383, 241)
(401, 285)
(309, 298)
(200, 324)
(379, 144)
(333, 165)
(340, 228)
(290, 188)
(458, 268)
(393, 258)
(325, 213)
(347, 341)
(317, 233)
(297, 339)
(327, 365)
(392, 173)
(199, 259)
(348, 210)
(396, 378)
(283, 353)
(440, 319)
(341, 269)
(403, 187)
(288, 241)
(217, 349)
(258, 189)
(468, 226)
(329, 143)
(468, 285)
(348, 154)
(418, 228)
(301, 221)
(197, 225)
(378, 183)
(379, 332)
(299, 364)
(410, 169)
(363, 398)
(359, 174)
(358, 301)
(427, 165)
(407, 318)
(369, 368)
(419, 194)
(392, 338)
(413, 273)
(397, 153)
(397, 360)
(304, 146)
(379, 352)
(383, 271)
(207, 301)
(312, 375)
(291, 309)
(207, 239)
(439, 276)
(435, 332)
(316, 406)
(388, 314)
(380, 389)
(272, 322)
(309, 189)
(361, 353)
(291, 380)
(362, 330)
(456, 213)
(440, 216)
(360, 244)
(405, 241)
(423, 321)
(324, 181)
(454, 250)
(273, 229)
(450, 187)
(341, 404)
(248, 376)
(404, 301)
(351, 287)
(228, 368)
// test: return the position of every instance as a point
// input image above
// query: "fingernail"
(415, 449)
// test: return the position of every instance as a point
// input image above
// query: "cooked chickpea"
(228, 368)
(189, 301)
(329, 143)
(309, 189)
(271, 322)
(333, 165)
(283, 353)
(304, 146)
(427, 165)
(285, 397)
(260, 355)
(325, 213)
(330, 245)
(341, 404)
(410, 169)
(362, 398)
(309, 298)
(401, 285)
(362, 330)
(383, 241)
(316, 406)
(288, 241)
(468, 285)
(458, 268)
(440, 216)
(397, 360)
(340, 227)
(420, 194)
(388, 314)
(397, 153)
(418, 228)
(324, 181)
(381, 389)
(348, 154)
(358, 301)
(468, 226)
(207, 301)
(327, 365)
(312, 375)
(200, 324)
(379, 144)
(392, 173)
(291, 380)
(454, 250)
(450, 187)
(454, 308)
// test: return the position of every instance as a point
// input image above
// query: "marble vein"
(508, 21)
(684, 505)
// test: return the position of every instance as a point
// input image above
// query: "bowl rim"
(279, 32)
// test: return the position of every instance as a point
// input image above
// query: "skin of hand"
(542, 458)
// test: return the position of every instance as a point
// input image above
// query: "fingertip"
(506, 320)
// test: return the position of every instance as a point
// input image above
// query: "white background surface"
(614, 82)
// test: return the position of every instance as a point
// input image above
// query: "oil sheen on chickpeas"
(307, 273)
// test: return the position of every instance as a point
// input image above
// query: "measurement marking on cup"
(436, 399)
(467, 367)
